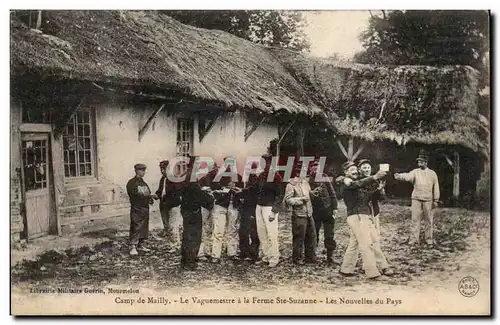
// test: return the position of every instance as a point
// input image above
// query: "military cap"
(347, 164)
(164, 163)
(140, 167)
(422, 155)
(364, 161)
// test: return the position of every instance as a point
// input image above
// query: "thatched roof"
(404, 103)
(146, 48)
(401, 103)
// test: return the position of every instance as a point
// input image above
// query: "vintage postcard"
(250, 162)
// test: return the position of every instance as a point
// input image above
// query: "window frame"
(93, 148)
(182, 167)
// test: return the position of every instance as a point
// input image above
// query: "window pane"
(86, 130)
(87, 156)
(70, 143)
(87, 143)
(72, 170)
(88, 169)
(82, 169)
(66, 170)
(80, 130)
(71, 157)
(81, 156)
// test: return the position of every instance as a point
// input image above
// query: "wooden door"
(35, 156)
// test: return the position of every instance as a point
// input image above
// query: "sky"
(335, 31)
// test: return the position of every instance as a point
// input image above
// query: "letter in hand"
(272, 216)
(154, 196)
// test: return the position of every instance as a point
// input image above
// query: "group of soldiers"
(242, 216)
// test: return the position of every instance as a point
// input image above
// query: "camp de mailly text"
(277, 300)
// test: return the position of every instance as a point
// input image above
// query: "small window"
(35, 164)
(185, 130)
(78, 145)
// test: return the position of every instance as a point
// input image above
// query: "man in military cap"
(170, 202)
(269, 205)
(193, 199)
(140, 199)
(227, 193)
(360, 220)
(377, 193)
(298, 197)
(249, 240)
(324, 203)
(424, 197)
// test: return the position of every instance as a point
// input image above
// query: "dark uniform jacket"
(172, 196)
(223, 199)
(270, 193)
(357, 196)
(326, 198)
(139, 193)
(193, 197)
(249, 194)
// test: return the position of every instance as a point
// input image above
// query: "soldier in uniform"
(205, 182)
(193, 199)
(140, 199)
(324, 203)
(297, 195)
(225, 216)
(269, 205)
(170, 202)
(360, 221)
(377, 192)
(424, 198)
(249, 240)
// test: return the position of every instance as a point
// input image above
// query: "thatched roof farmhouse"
(156, 53)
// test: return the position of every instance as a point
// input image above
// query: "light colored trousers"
(376, 221)
(225, 223)
(206, 232)
(172, 223)
(377, 248)
(268, 234)
(175, 223)
(417, 209)
(363, 239)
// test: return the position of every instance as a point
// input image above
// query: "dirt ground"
(463, 249)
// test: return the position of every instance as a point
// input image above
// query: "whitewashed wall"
(227, 138)
(118, 147)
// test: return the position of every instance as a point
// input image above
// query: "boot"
(329, 257)
(133, 251)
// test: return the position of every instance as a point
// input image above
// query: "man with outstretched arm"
(424, 198)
